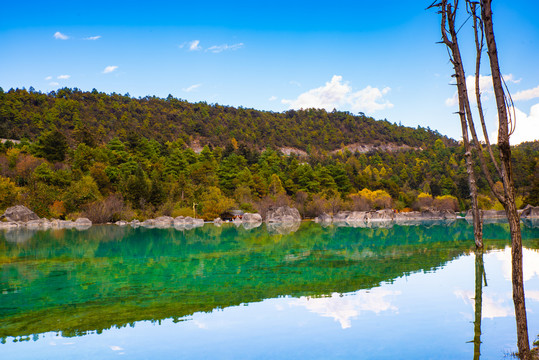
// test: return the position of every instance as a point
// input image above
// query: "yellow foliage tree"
(214, 203)
(9, 192)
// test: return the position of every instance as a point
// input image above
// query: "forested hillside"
(111, 157)
(97, 117)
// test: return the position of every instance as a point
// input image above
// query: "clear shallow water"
(400, 292)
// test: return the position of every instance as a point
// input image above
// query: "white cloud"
(272, 98)
(485, 87)
(221, 48)
(58, 35)
(93, 37)
(48, 78)
(54, 83)
(194, 45)
(530, 263)
(344, 308)
(63, 77)
(115, 348)
(192, 87)
(110, 69)
(527, 126)
(526, 94)
(337, 94)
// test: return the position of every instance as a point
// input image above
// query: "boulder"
(149, 223)
(218, 221)
(323, 218)
(8, 225)
(411, 215)
(19, 213)
(350, 216)
(38, 224)
(83, 222)
(530, 212)
(341, 216)
(283, 214)
(380, 215)
(252, 217)
(164, 221)
(121, 223)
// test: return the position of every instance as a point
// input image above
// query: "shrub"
(423, 202)
(110, 209)
(445, 202)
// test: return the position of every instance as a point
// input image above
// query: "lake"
(398, 292)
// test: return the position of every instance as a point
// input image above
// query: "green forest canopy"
(112, 156)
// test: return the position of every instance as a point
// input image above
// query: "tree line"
(138, 177)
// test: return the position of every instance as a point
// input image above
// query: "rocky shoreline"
(279, 220)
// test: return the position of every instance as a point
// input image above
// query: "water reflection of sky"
(420, 316)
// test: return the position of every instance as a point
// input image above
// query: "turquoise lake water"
(398, 292)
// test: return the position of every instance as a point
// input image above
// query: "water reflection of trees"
(107, 276)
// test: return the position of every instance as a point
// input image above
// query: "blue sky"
(380, 58)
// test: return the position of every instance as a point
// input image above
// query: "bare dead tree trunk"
(504, 169)
(508, 184)
(448, 27)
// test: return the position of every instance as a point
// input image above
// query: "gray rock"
(8, 225)
(217, 221)
(19, 213)
(38, 224)
(530, 212)
(83, 221)
(121, 223)
(252, 217)
(323, 218)
(380, 215)
(164, 221)
(283, 214)
(148, 223)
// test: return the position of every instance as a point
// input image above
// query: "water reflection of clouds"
(500, 304)
(493, 306)
(530, 263)
(344, 308)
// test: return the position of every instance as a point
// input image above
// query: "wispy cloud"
(110, 69)
(191, 45)
(63, 77)
(54, 83)
(192, 87)
(224, 47)
(48, 78)
(526, 94)
(58, 35)
(93, 37)
(294, 82)
(272, 98)
(337, 94)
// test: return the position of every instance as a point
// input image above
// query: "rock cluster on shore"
(163, 222)
(386, 217)
(279, 220)
(21, 217)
